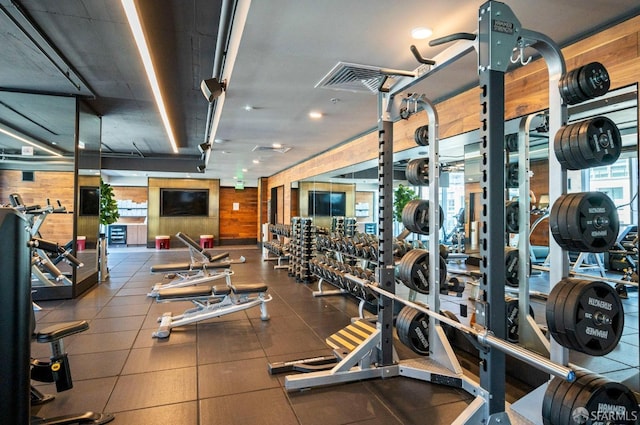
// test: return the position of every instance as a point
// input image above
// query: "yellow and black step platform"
(350, 337)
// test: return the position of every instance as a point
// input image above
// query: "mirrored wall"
(41, 170)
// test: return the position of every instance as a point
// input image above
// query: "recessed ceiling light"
(315, 115)
(255, 161)
(276, 145)
(248, 108)
(420, 33)
(220, 141)
(235, 178)
(244, 170)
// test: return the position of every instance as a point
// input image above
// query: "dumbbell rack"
(499, 33)
(301, 248)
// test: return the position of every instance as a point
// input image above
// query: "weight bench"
(57, 370)
(199, 271)
(211, 302)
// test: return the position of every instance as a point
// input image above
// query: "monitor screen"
(327, 203)
(89, 201)
(184, 202)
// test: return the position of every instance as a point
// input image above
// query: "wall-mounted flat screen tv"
(327, 203)
(184, 202)
(89, 201)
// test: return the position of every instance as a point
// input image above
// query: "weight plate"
(593, 80)
(412, 328)
(572, 393)
(565, 149)
(512, 216)
(574, 145)
(609, 402)
(549, 397)
(512, 311)
(565, 319)
(557, 145)
(511, 142)
(569, 99)
(554, 310)
(449, 330)
(511, 175)
(558, 222)
(415, 216)
(567, 95)
(511, 268)
(561, 392)
(594, 316)
(574, 87)
(417, 171)
(443, 272)
(592, 220)
(573, 98)
(602, 141)
(421, 135)
(413, 270)
(571, 162)
(554, 395)
(572, 202)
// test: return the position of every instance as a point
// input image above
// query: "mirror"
(87, 197)
(37, 146)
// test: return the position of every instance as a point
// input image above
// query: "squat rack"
(499, 33)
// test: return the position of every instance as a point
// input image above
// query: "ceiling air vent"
(355, 77)
(282, 149)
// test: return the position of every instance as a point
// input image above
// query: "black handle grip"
(419, 57)
(452, 37)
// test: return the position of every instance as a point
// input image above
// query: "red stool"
(206, 241)
(163, 242)
(81, 243)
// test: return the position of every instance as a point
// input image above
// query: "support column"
(386, 268)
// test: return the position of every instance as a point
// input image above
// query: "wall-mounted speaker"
(211, 89)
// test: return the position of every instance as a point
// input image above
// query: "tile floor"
(215, 372)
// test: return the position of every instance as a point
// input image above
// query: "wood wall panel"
(191, 226)
(238, 226)
(55, 185)
(133, 193)
(617, 48)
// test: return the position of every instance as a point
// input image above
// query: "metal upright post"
(386, 268)
(497, 35)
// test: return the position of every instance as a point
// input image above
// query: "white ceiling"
(286, 48)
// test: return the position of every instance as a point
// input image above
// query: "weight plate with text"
(415, 216)
(412, 328)
(593, 79)
(600, 142)
(584, 315)
(512, 216)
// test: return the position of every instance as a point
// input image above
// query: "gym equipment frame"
(200, 271)
(210, 303)
(499, 33)
(16, 315)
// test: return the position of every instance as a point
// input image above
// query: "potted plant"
(108, 206)
(109, 214)
(401, 196)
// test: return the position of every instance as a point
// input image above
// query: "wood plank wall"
(191, 226)
(238, 227)
(617, 48)
(55, 185)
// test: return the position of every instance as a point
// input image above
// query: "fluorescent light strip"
(29, 142)
(136, 28)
